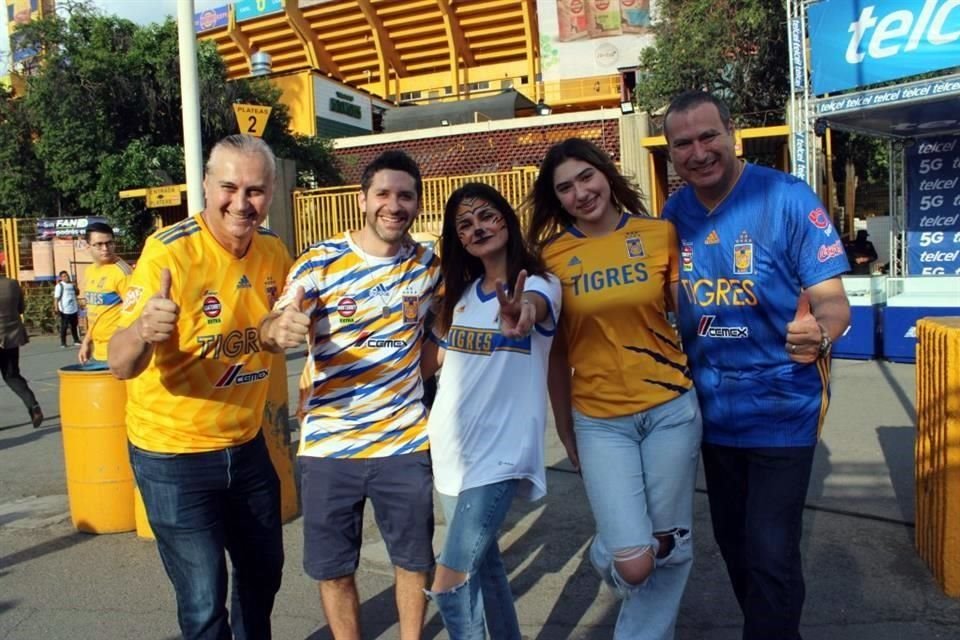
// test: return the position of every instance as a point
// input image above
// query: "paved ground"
(865, 581)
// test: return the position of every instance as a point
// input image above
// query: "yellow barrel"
(937, 449)
(99, 478)
(140, 516)
(276, 431)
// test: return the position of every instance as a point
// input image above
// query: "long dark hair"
(460, 268)
(548, 217)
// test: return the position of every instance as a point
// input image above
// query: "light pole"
(190, 106)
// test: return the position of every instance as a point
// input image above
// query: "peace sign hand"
(517, 314)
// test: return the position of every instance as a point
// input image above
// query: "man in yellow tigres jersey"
(189, 345)
(105, 283)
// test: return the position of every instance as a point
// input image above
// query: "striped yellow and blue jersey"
(205, 388)
(104, 288)
(360, 391)
(625, 353)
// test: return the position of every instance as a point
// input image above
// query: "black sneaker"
(36, 416)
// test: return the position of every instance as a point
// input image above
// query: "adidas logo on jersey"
(244, 283)
(574, 261)
(712, 238)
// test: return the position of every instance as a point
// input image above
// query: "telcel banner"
(933, 207)
(854, 43)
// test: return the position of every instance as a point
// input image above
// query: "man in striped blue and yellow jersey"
(360, 300)
(188, 342)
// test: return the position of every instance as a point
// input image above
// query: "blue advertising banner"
(798, 68)
(210, 19)
(855, 43)
(933, 207)
(247, 9)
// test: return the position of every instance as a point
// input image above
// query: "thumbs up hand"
(291, 327)
(803, 333)
(158, 320)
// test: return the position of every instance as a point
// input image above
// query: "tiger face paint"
(480, 227)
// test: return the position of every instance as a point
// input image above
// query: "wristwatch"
(826, 343)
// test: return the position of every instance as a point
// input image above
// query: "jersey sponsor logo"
(346, 309)
(601, 279)
(244, 282)
(231, 345)
(232, 376)
(725, 292)
(820, 220)
(635, 246)
(131, 298)
(712, 238)
(211, 306)
(385, 343)
(830, 251)
(707, 329)
(270, 285)
(686, 255)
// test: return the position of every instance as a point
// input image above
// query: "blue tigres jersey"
(742, 267)
(360, 392)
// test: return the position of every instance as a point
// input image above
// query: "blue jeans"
(639, 472)
(202, 504)
(473, 520)
(756, 506)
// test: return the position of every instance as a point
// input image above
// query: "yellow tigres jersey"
(625, 354)
(104, 290)
(360, 392)
(205, 388)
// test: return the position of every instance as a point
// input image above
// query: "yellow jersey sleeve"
(205, 388)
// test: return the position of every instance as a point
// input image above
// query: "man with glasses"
(105, 284)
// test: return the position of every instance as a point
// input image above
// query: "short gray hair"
(242, 143)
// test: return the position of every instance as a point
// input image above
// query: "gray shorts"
(334, 491)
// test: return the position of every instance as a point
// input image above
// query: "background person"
(187, 341)
(861, 254)
(104, 289)
(628, 416)
(762, 303)
(359, 301)
(487, 424)
(13, 335)
(66, 304)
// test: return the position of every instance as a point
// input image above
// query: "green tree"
(734, 48)
(23, 186)
(104, 101)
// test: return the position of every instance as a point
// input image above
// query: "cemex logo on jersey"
(707, 329)
(232, 376)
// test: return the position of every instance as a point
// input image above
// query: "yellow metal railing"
(323, 213)
(10, 241)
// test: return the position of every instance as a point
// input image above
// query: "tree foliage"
(736, 49)
(23, 184)
(103, 105)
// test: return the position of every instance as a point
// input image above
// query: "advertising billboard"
(584, 38)
(855, 43)
(933, 207)
(341, 110)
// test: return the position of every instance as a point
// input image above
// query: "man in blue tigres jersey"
(762, 303)
(359, 300)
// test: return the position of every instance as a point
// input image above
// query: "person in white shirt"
(65, 303)
(486, 427)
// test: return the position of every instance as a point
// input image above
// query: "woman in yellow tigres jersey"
(628, 415)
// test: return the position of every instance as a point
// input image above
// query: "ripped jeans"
(639, 472)
(473, 522)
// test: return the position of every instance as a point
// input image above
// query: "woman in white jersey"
(628, 416)
(486, 438)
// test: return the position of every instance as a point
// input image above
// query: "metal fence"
(324, 213)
